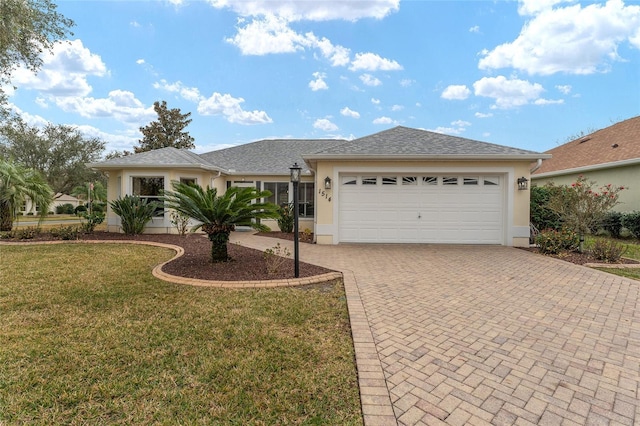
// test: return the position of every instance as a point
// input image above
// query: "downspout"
(215, 177)
(537, 166)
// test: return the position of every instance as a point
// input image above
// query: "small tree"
(582, 208)
(166, 131)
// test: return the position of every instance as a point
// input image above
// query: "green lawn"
(632, 252)
(88, 336)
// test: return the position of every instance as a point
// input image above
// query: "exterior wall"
(516, 221)
(627, 176)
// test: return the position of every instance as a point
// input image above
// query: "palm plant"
(219, 215)
(134, 212)
(17, 184)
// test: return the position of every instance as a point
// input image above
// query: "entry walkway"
(480, 335)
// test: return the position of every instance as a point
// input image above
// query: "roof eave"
(102, 166)
(447, 157)
(593, 167)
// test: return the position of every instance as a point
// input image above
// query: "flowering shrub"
(551, 241)
(582, 208)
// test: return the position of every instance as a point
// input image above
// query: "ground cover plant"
(90, 337)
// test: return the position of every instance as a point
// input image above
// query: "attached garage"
(428, 208)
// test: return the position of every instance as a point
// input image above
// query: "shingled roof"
(169, 156)
(614, 145)
(405, 142)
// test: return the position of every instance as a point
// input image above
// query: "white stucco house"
(400, 185)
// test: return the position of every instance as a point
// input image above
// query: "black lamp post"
(295, 179)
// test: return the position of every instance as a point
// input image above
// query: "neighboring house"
(58, 200)
(607, 156)
(401, 185)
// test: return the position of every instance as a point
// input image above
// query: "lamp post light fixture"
(327, 183)
(523, 183)
(295, 179)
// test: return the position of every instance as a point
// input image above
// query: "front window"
(150, 189)
(279, 192)
(188, 181)
(306, 193)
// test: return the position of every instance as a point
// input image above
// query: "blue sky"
(527, 74)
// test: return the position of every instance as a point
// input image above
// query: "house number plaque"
(324, 194)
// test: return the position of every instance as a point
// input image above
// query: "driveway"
(479, 335)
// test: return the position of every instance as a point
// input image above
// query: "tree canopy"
(166, 131)
(27, 28)
(58, 152)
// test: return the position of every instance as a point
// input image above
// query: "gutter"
(537, 166)
(589, 168)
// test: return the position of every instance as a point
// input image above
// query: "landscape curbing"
(160, 274)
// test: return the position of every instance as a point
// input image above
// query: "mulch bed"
(246, 265)
(580, 258)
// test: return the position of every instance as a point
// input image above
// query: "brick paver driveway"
(475, 335)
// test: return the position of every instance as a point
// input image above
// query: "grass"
(90, 337)
(627, 273)
(632, 252)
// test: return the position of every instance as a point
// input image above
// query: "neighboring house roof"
(612, 146)
(64, 197)
(158, 158)
(268, 156)
(407, 143)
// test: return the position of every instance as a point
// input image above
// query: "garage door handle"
(419, 215)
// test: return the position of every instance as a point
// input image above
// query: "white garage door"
(454, 208)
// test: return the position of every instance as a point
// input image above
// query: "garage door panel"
(422, 213)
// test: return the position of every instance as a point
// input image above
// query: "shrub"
(551, 241)
(91, 221)
(80, 209)
(180, 221)
(28, 233)
(612, 223)
(542, 216)
(66, 208)
(65, 232)
(631, 221)
(608, 250)
(30, 214)
(275, 257)
(306, 235)
(134, 212)
(285, 221)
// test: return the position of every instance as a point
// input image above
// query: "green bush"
(30, 214)
(90, 221)
(612, 223)
(631, 221)
(28, 233)
(66, 208)
(65, 232)
(285, 221)
(541, 215)
(551, 241)
(608, 250)
(80, 209)
(134, 213)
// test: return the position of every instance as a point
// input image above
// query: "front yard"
(90, 337)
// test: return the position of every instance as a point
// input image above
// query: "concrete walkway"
(471, 335)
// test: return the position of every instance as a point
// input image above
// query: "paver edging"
(160, 274)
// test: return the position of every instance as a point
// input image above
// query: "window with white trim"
(470, 180)
(279, 192)
(306, 192)
(149, 188)
(348, 180)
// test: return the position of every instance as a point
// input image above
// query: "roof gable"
(620, 142)
(163, 157)
(407, 142)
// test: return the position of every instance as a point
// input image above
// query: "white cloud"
(230, 108)
(406, 82)
(347, 112)
(384, 120)
(457, 92)
(507, 93)
(448, 130)
(474, 29)
(117, 142)
(373, 62)
(565, 89)
(369, 80)
(375, 101)
(189, 93)
(64, 71)
(571, 39)
(325, 125)
(397, 108)
(268, 35)
(135, 24)
(318, 83)
(337, 55)
(140, 61)
(542, 101)
(460, 123)
(311, 10)
(120, 104)
(483, 115)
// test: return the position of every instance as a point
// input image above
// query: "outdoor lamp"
(523, 183)
(327, 183)
(295, 179)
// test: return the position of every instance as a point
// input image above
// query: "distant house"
(58, 200)
(610, 155)
(400, 185)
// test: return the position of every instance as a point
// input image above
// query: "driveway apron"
(485, 335)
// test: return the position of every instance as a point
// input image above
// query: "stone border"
(160, 274)
(614, 265)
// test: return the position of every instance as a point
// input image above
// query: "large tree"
(27, 28)
(58, 152)
(166, 131)
(217, 215)
(17, 183)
